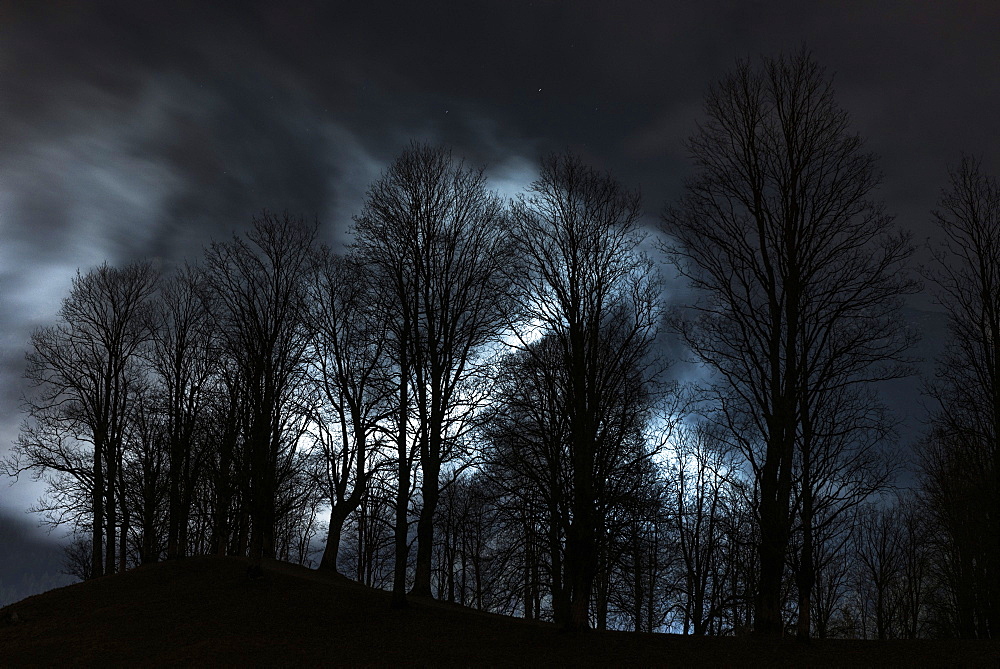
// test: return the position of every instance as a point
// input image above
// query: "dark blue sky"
(143, 129)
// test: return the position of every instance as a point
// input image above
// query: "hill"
(209, 611)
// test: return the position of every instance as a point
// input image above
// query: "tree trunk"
(581, 540)
(581, 567)
(338, 515)
(402, 484)
(401, 547)
(123, 542)
(775, 494)
(220, 521)
(771, 562)
(807, 575)
(110, 513)
(174, 503)
(148, 550)
(425, 525)
(361, 565)
(528, 598)
(262, 495)
(97, 528)
(559, 577)
(601, 603)
(182, 530)
(637, 576)
(223, 494)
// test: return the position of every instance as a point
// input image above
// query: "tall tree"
(436, 233)
(801, 274)
(144, 479)
(183, 359)
(351, 361)
(962, 455)
(258, 288)
(227, 471)
(83, 371)
(592, 295)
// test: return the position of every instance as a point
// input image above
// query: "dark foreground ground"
(207, 611)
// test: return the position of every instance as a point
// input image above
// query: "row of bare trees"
(678, 554)
(481, 378)
(147, 389)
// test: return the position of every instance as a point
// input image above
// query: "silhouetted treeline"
(470, 403)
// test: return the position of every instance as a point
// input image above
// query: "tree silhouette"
(183, 361)
(258, 299)
(961, 457)
(698, 505)
(83, 372)
(435, 232)
(592, 296)
(354, 389)
(801, 274)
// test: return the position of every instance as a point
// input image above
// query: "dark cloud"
(144, 129)
(30, 564)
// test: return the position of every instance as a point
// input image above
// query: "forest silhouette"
(470, 404)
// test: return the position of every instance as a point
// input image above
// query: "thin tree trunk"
(110, 513)
(97, 500)
(560, 579)
(183, 530)
(402, 484)
(123, 540)
(806, 576)
(174, 503)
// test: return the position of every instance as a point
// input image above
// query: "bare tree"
(801, 273)
(638, 561)
(77, 561)
(529, 456)
(367, 554)
(832, 570)
(526, 451)
(351, 361)
(586, 288)
(258, 287)
(961, 457)
(466, 527)
(82, 369)
(435, 232)
(183, 358)
(224, 421)
(144, 476)
(700, 469)
(878, 540)
(915, 582)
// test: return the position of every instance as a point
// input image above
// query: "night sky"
(142, 130)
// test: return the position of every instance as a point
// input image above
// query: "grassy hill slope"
(208, 611)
